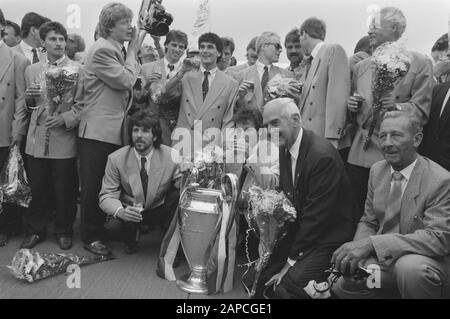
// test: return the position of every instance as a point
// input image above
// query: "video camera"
(153, 18)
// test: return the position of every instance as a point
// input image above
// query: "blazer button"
(187, 101)
(397, 97)
(189, 114)
(212, 120)
(8, 84)
(313, 87)
(415, 217)
(218, 107)
(310, 119)
(311, 103)
(300, 255)
(3, 98)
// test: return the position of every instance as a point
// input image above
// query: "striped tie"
(392, 216)
(265, 78)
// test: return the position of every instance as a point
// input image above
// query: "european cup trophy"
(200, 220)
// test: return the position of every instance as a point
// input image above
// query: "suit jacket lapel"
(6, 61)
(133, 176)
(446, 112)
(163, 71)
(254, 76)
(302, 152)
(409, 196)
(383, 194)
(154, 177)
(195, 82)
(216, 88)
(312, 72)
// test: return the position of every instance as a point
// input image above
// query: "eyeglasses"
(276, 45)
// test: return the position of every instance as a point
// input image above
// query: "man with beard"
(294, 52)
(141, 180)
(253, 80)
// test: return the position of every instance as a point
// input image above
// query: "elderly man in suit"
(253, 80)
(110, 72)
(13, 114)
(412, 91)
(405, 227)
(313, 177)
(327, 85)
(436, 133)
(206, 99)
(31, 46)
(168, 105)
(139, 182)
(52, 162)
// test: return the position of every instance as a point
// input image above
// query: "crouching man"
(141, 180)
(405, 229)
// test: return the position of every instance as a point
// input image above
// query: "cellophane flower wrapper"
(32, 266)
(279, 87)
(59, 82)
(14, 188)
(270, 210)
(210, 166)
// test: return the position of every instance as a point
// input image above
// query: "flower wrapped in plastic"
(31, 266)
(210, 166)
(279, 87)
(59, 82)
(14, 188)
(391, 63)
(270, 210)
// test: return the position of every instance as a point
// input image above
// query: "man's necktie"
(265, 78)
(308, 65)
(392, 216)
(205, 85)
(171, 67)
(289, 166)
(124, 53)
(144, 176)
(35, 56)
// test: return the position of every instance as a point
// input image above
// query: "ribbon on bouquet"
(223, 255)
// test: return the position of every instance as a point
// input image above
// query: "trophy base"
(188, 285)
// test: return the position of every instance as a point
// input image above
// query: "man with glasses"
(253, 80)
(327, 83)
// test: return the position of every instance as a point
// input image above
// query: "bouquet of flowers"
(59, 82)
(210, 166)
(271, 210)
(31, 266)
(14, 187)
(279, 87)
(391, 63)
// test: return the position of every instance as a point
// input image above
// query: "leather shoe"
(97, 247)
(64, 243)
(131, 248)
(3, 240)
(31, 241)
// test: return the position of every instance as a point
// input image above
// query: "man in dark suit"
(110, 72)
(436, 134)
(313, 177)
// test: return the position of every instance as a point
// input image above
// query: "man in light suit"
(31, 46)
(168, 105)
(207, 98)
(412, 91)
(52, 167)
(405, 229)
(436, 133)
(313, 177)
(139, 182)
(13, 114)
(327, 85)
(110, 72)
(268, 48)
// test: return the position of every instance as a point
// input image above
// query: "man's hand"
(186, 166)
(16, 139)
(388, 103)
(32, 96)
(130, 214)
(351, 255)
(276, 279)
(54, 121)
(154, 77)
(133, 45)
(243, 89)
(353, 105)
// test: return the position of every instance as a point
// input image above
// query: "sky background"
(346, 20)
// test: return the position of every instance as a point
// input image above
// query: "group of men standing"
(400, 198)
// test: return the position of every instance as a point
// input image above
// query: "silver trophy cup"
(200, 218)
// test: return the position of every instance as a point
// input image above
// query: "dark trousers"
(11, 216)
(359, 178)
(52, 176)
(160, 216)
(93, 157)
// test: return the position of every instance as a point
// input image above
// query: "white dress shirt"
(212, 75)
(260, 68)
(28, 51)
(1, 43)
(316, 49)
(406, 173)
(177, 67)
(445, 102)
(294, 153)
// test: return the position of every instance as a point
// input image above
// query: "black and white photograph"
(224, 152)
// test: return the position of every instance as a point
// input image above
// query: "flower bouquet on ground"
(14, 188)
(280, 87)
(31, 266)
(59, 83)
(270, 211)
(391, 62)
(210, 166)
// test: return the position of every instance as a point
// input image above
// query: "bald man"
(312, 175)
